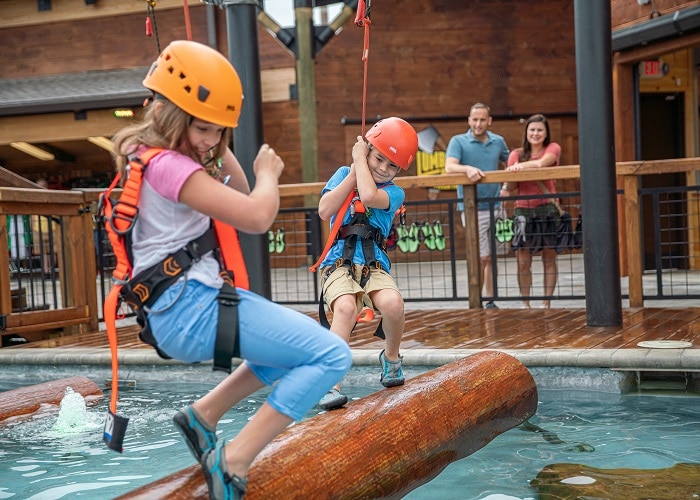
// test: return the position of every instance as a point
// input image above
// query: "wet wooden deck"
(493, 329)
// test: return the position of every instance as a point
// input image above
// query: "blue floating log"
(388, 443)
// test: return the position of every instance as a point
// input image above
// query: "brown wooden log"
(26, 400)
(385, 444)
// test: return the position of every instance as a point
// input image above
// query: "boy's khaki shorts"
(340, 282)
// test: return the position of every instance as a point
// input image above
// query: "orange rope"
(362, 20)
(188, 27)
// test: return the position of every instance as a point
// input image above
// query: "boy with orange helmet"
(355, 271)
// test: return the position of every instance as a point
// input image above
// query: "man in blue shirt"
(471, 154)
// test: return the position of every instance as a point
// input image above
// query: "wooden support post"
(471, 244)
(635, 257)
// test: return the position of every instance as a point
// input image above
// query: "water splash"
(73, 416)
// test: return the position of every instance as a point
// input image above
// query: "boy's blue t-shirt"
(378, 218)
(483, 155)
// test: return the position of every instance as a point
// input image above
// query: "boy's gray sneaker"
(221, 484)
(392, 374)
(198, 435)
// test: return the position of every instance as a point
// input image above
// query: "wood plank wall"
(625, 13)
(428, 62)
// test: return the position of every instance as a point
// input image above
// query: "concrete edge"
(622, 359)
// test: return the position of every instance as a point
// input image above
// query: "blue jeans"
(277, 343)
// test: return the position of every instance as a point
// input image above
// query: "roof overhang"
(681, 22)
(73, 92)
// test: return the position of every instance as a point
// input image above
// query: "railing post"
(471, 245)
(90, 268)
(633, 244)
(5, 285)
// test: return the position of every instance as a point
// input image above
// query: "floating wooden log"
(26, 400)
(581, 481)
(385, 444)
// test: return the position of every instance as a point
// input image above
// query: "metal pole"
(244, 53)
(597, 158)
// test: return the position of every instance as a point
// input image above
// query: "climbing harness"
(357, 229)
(141, 291)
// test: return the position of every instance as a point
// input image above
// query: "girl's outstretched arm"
(251, 213)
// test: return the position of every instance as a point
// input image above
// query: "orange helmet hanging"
(199, 80)
(396, 139)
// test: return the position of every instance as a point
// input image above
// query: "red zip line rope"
(188, 27)
(361, 20)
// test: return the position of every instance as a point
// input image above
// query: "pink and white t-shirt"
(164, 225)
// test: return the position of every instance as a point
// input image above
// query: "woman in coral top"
(537, 152)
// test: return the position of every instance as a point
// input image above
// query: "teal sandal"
(199, 436)
(221, 484)
(439, 236)
(332, 399)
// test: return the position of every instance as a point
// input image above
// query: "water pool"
(62, 455)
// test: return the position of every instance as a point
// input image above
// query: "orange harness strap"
(120, 218)
(334, 230)
(231, 253)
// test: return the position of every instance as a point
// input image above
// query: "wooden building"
(66, 66)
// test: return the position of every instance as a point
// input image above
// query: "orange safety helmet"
(396, 139)
(199, 80)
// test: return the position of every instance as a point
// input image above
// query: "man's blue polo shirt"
(484, 155)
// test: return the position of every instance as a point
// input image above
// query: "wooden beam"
(11, 179)
(26, 13)
(655, 50)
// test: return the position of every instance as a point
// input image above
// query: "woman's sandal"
(221, 484)
(439, 237)
(428, 235)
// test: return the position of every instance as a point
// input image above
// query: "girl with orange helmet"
(355, 271)
(198, 98)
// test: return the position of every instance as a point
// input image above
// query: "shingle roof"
(73, 92)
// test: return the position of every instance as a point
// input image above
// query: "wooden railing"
(79, 307)
(77, 277)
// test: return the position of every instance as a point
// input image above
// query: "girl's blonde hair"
(162, 125)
